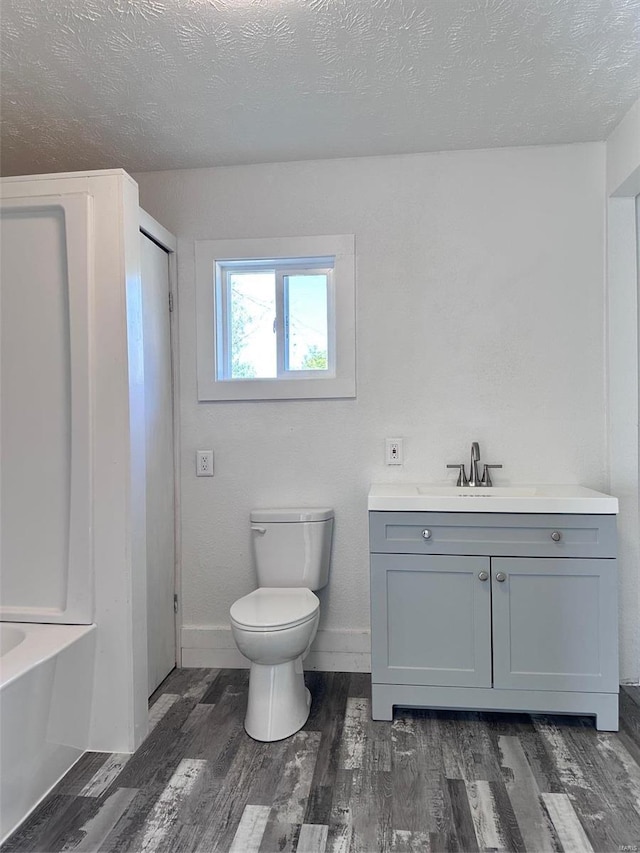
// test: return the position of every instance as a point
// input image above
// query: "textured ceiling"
(165, 84)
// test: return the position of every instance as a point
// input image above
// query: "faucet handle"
(486, 476)
(462, 476)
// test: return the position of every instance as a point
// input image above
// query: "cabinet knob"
(426, 534)
(556, 536)
(501, 577)
(484, 576)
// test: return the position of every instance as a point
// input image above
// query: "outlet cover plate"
(393, 451)
(204, 463)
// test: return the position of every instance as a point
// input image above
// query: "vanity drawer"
(493, 534)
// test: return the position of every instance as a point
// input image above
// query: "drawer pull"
(426, 533)
(556, 536)
(501, 577)
(484, 576)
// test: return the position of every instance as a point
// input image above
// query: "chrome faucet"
(474, 479)
(474, 476)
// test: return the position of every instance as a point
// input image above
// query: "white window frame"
(215, 257)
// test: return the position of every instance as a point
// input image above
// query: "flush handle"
(260, 530)
(426, 534)
(556, 536)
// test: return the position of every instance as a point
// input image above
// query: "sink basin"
(425, 497)
(464, 492)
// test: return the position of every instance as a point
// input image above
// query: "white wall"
(480, 292)
(623, 184)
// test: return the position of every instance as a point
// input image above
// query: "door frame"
(167, 241)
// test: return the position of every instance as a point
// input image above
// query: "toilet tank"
(292, 547)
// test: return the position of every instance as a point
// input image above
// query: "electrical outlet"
(393, 451)
(204, 463)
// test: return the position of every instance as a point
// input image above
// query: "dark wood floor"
(427, 782)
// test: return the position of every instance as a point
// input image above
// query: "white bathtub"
(46, 674)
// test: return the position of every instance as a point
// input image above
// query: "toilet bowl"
(274, 625)
(274, 628)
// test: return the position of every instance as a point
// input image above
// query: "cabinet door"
(430, 620)
(555, 624)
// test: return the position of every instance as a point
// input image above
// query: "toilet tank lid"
(292, 514)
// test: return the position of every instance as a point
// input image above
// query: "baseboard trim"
(332, 650)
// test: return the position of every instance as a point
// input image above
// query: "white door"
(160, 474)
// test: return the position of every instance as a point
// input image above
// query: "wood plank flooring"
(429, 781)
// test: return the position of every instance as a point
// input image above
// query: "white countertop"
(425, 497)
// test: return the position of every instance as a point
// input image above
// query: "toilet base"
(279, 703)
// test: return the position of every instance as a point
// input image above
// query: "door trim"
(167, 241)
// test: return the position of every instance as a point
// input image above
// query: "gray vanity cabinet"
(523, 618)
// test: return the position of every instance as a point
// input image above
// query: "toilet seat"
(274, 608)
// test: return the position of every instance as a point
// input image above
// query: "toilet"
(275, 625)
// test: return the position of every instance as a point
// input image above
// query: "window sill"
(278, 389)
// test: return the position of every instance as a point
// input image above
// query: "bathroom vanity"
(501, 599)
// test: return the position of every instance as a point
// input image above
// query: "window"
(276, 318)
(273, 318)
